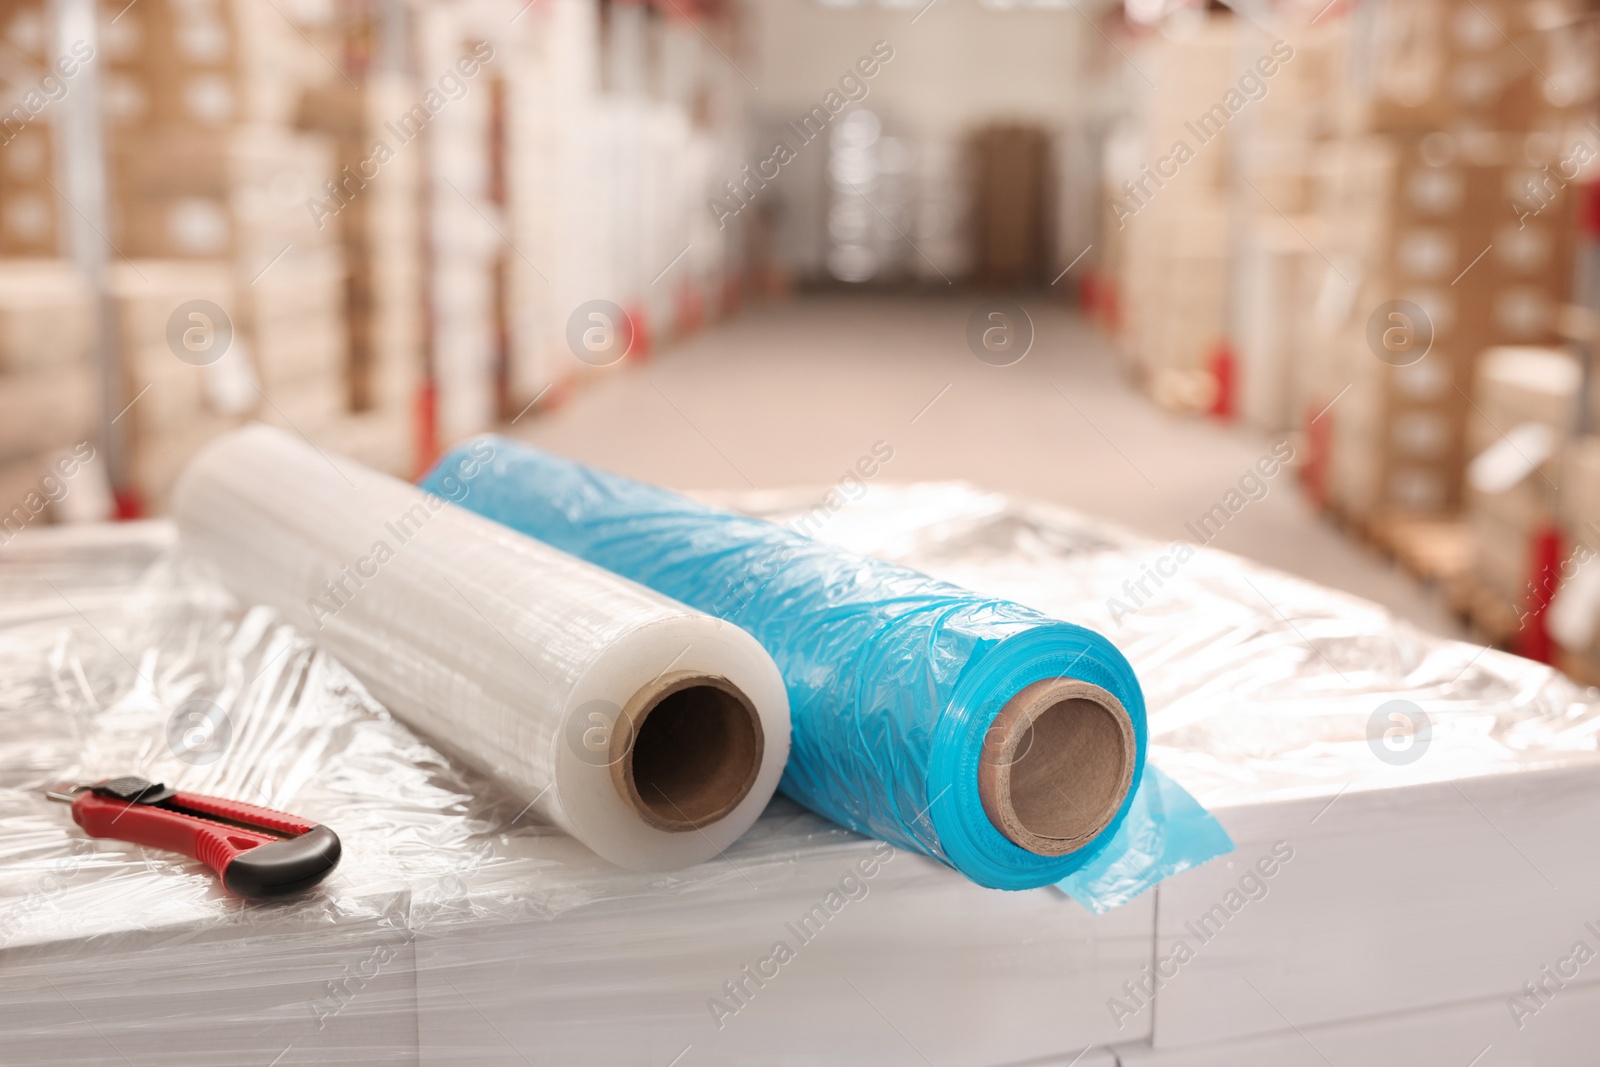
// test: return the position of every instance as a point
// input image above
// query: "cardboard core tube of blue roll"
(1056, 764)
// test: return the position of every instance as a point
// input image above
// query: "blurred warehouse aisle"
(1370, 225)
(795, 393)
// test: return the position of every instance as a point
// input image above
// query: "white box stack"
(1170, 208)
(49, 394)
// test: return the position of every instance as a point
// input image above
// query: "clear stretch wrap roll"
(978, 731)
(652, 733)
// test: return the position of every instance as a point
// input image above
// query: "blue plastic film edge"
(1166, 832)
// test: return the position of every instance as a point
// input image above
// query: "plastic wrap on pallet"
(461, 928)
(894, 678)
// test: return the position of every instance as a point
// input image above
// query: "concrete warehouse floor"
(794, 393)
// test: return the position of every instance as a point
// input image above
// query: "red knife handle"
(250, 862)
(233, 811)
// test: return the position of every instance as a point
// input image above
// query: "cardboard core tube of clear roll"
(686, 750)
(1056, 764)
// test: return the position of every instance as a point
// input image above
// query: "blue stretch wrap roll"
(893, 677)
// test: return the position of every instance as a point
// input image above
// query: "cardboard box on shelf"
(1302, 99)
(1418, 205)
(25, 28)
(173, 398)
(1174, 177)
(29, 214)
(1517, 385)
(280, 365)
(19, 487)
(1174, 288)
(376, 223)
(46, 316)
(1278, 271)
(305, 353)
(241, 194)
(1395, 432)
(47, 406)
(1526, 405)
(1436, 252)
(385, 440)
(211, 63)
(1579, 500)
(1191, 73)
(287, 328)
(63, 482)
(1417, 427)
(150, 292)
(29, 221)
(155, 463)
(1472, 64)
(307, 406)
(306, 284)
(1574, 619)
